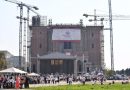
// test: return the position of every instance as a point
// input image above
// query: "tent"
(100, 74)
(13, 70)
(33, 74)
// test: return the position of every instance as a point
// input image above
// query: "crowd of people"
(23, 81)
(14, 81)
(68, 78)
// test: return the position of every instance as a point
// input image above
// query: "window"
(92, 45)
(52, 62)
(92, 34)
(60, 62)
(56, 62)
(40, 46)
(67, 45)
(88, 69)
(34, 68)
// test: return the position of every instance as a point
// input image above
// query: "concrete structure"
(85, 49)
(7, 53)
(14, 62)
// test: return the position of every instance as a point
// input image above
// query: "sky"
(71, 11)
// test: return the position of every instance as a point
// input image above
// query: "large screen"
(66, 34)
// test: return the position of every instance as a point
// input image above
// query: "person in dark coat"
(26, 84)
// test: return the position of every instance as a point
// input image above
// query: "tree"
(127, 71)
(2, 61)
(108, 72)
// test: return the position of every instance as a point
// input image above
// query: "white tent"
(33, 74)
(100, 74)
(12, 70)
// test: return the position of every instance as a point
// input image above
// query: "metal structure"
(108, 18)
(96, 18)
(111, 35)
(29, 8)
(24, 40)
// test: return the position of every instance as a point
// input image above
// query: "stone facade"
(89, 52)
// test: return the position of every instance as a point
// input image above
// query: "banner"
(66, 34)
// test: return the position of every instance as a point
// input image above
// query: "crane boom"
(107, 16)
(15, 2)
(30, 7)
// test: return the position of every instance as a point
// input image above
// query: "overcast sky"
(71, 11)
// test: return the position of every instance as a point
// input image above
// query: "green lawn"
(86, 87)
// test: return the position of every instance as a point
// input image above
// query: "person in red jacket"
(17, 83)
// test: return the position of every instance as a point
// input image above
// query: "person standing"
(17, 83)
(70, 80)
(83, 80)
(26, 84)
(101, 80)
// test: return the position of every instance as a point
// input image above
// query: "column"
(75, 67)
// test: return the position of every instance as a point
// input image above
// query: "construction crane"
(103, 18)
(95, 18)
(29, 8)
(109, 18)
(111, 35)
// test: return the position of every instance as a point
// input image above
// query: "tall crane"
(109, 18)
(102, 17)
(96, 18)
(29, 8)
(111, 35)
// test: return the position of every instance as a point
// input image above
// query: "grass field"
(86, 87)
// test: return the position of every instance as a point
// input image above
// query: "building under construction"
(65, 48)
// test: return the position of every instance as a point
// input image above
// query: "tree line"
(124, 71)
